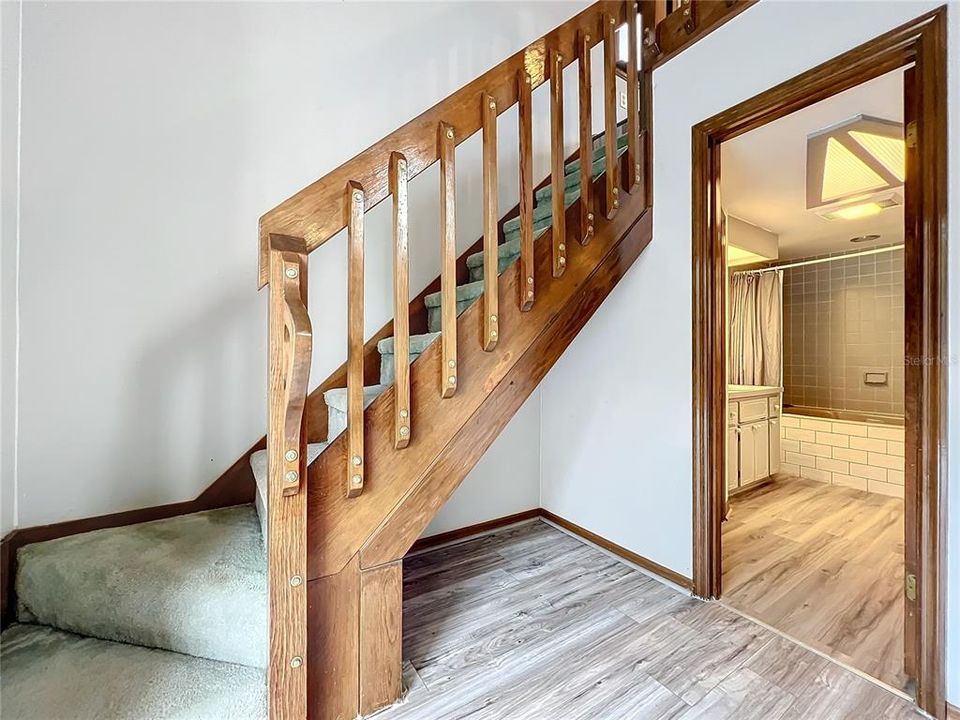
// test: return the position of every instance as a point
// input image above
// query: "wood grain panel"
(559, 229)
(692, 22)
(448, 254)
(586, 137)
(490, 328)
(610, 115)
(633, 99)
(381, 632)
(573, 300)
(527, 289)
(354, 467)
(403, 422)
(288, 368)
(314, 212)
(334, 645)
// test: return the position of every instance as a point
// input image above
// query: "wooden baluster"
(403, 422)
(586, 141)
(354, 204)
(448, 258)
(491, 293)
(290, 347)
(633, 98)
(525, 115)
(610, 112)
(559, 231)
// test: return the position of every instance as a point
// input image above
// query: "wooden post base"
(354, 643)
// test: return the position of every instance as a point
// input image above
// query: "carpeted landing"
(160, 620)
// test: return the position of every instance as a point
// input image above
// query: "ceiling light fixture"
(853, 166)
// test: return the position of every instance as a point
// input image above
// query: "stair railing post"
(290, 343)
(354, 204)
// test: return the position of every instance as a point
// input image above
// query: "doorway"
(919, 45)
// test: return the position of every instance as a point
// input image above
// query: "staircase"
(166, 618)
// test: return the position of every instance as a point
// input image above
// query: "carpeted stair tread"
(417, 343)
(542, 213)
(337, 397)
(194, 584)
(258, 463)
(599, 152)
(49, 674)
(467, 292)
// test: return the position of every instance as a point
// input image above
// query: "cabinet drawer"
(733, 413)
(774, 406)
(751, 410)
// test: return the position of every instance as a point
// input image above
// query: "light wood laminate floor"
(532, 624)
(824, 564)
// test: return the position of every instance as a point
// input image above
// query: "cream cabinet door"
(774, 436)
(761, 449)
(733, 460)
(748, 455)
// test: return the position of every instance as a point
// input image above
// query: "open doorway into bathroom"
(916, 52)
(813, 541)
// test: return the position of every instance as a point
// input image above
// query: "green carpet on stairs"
(53, 675)
(193, 584)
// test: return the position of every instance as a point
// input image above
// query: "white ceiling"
(763, 173)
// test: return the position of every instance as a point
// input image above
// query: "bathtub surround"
(861, 455)
(842, 320)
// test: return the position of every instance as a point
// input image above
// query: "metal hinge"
(911, 135)
(910, 587)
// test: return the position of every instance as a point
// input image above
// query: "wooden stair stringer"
(397, 534)
(338, 526)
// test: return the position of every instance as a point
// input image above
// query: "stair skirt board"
(49, 674)
(195, 584)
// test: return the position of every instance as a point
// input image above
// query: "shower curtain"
(756, 335)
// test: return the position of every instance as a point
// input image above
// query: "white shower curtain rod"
(817, 261)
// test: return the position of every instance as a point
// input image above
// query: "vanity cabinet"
(753, 436)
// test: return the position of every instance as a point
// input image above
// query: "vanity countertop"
(742, 392)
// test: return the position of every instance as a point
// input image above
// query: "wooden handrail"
(315, 213)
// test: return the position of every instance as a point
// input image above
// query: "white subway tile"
(858, 456)
(810, 424)
(798, 434)
(858, 443)
(886, 433)
(831, 465)
(801, 460)
(883, 488)
(850, 429)
(894, 448)
(814, 474)
(814, 449)
(891, 462)
(833, 439)
(895, 477)
(794, 446)
(789, 468)
(868, 471)
(791, 421)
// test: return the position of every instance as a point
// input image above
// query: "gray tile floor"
(532, 624)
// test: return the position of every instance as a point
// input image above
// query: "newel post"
(290, 342)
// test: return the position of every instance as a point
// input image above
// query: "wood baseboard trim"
(471, 531)
(620, 551)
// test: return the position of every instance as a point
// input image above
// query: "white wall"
(9, 126)
(154, 135)
(616, 410)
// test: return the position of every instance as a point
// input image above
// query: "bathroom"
(813, 538)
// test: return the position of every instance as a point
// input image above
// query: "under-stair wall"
(628, 476)
(172, 158)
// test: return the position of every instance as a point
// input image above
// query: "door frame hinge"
(910, 587)
(910, 134)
